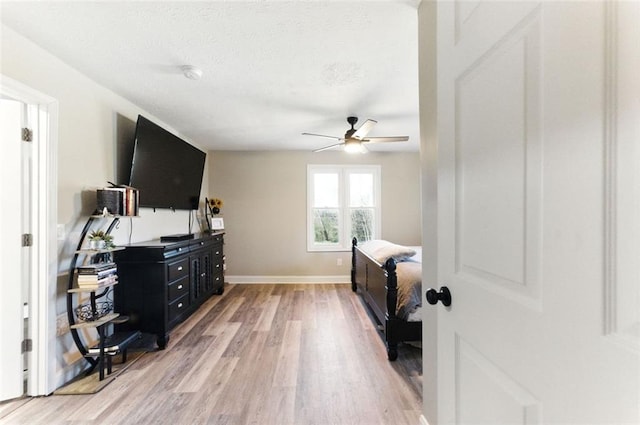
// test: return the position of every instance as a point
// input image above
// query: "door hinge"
(27, 239)
(27, 345)
(27, 135)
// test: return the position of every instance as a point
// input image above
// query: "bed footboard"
(378, 286)
(354, 244)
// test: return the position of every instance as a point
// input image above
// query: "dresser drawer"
(177, 307)
(216, 251)
(178, 269)
(217, 265)
(217, 279)
(178, 288)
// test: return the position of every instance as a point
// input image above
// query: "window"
(343, 202)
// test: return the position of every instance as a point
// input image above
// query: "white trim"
(287, 279)
(45, 259)
(423, 420)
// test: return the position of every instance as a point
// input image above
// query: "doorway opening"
(28, 257)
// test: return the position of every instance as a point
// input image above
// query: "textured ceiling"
(272, 69)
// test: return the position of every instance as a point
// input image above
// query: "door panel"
(504, 401)
(500, 203)
(538, 212)
(11, 312)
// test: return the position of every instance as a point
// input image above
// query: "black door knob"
(434, 296)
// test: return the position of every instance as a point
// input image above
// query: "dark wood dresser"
(163, 283)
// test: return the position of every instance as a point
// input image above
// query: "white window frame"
(343, 171)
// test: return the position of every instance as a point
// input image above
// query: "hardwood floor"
(259, 354)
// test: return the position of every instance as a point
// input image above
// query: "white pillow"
(381, 251)
(374, 244)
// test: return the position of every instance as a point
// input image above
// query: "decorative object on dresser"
(212, 207)
(163, 283)
(217, 223)
(389, 278)
(215, 205)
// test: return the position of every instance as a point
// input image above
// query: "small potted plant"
(100, 240)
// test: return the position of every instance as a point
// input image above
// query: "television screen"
(165, 169)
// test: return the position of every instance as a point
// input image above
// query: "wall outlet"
(62, 233)
(339, 262)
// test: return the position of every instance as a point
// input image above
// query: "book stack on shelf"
(96, 276)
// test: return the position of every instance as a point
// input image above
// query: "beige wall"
(93, 124)
(265, 199)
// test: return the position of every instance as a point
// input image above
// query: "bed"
(389, 279)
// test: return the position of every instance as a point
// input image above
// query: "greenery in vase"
(100, 235)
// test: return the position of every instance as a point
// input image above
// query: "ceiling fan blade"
(328, 147)
(322, 135)
(386, 139)
(364, 129)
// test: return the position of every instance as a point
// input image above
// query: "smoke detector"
(191, 72)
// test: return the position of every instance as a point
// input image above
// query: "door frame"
(44, 267)
(428, 95)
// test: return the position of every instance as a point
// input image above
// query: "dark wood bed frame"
(378, 286)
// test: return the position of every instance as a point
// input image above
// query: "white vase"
(97, 244)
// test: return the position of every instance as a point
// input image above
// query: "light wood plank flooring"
(259, 354)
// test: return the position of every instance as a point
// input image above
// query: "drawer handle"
(201, 243)
(179, 305)
(202, 275)
(180, 286)
(217, 252)
(217, 278)
(180, 268)
(217, 266)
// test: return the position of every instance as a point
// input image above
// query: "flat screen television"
(165, 169)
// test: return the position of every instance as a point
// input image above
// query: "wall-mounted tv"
(165, 169)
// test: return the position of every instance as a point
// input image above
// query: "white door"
(11, 299)
(538, 220)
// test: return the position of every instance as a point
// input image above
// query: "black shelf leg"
(101, 358)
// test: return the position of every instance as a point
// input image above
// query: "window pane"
(361, 190)
(325, 190)
(362, 224)
(325, 226)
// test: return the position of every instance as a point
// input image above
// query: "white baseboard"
(288, 279)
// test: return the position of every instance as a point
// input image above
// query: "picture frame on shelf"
(217, 223)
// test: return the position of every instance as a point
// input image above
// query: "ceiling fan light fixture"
(354, 146)
(354, 140)
(191, 72)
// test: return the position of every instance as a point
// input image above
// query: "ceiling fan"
(354, 140)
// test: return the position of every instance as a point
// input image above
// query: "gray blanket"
(409, 287)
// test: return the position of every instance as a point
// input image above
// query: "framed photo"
(217, 223)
